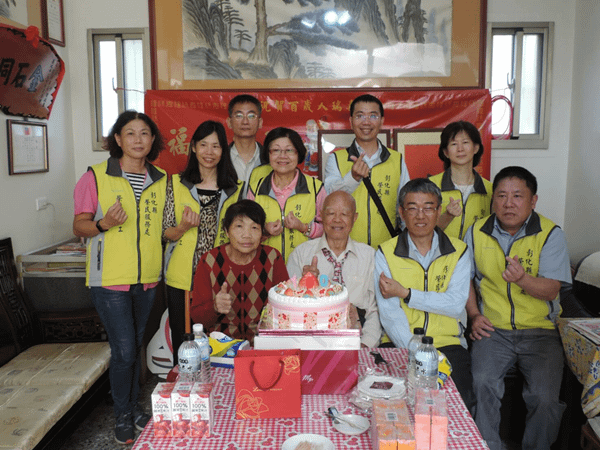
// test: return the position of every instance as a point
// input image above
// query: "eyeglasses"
(283, 151)
(240, 116)
(363, 117)
(413, 210)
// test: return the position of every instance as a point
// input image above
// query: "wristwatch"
(407, 298)
(99, 227)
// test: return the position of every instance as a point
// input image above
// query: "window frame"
(541, 139)
(95, 35)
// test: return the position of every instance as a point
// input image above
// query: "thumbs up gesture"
(223, 300)
(312, 267)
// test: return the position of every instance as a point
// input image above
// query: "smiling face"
(338, 215)
(366, 121)
(244, 236)
(245, 120)
(135, 140)
(513, 202)
(283, 156)
(420, 213)
(208, 151)
(461, 150)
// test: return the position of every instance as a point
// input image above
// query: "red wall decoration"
(178, 113)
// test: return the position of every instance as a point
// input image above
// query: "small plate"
(382, 386)
(316, 439)
(361, 422)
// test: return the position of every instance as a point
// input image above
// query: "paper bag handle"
(266, 388)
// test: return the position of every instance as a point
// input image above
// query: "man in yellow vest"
(245, 120)
(521, 264)
(368, 158)
(422, 280)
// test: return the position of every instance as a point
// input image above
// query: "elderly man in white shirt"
(343, 260)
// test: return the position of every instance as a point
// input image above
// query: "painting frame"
(469, 18)
(34, 16)
(53, 19)
(27, 149)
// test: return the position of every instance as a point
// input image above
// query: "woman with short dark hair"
(232, 281)
(292, 200)
(119, 207)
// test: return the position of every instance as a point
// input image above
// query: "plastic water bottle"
(189, 359)
(201, 339)
(413, 346)
(426, 365)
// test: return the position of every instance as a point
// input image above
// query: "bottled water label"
(425, 365)
(189, 363)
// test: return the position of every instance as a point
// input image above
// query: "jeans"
(176, 306)
(538, 355)
(124, 315)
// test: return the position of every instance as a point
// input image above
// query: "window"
(518, 74)
(119, 76)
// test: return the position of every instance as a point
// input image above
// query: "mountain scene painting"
(316, 39)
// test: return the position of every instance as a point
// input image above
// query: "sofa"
(45, 387)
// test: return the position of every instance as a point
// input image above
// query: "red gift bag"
(267, 384)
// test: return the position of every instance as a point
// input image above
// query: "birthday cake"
(308, 304)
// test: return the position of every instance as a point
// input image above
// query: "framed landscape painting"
(242, 44)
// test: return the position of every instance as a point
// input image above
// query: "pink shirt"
(85, 200)
(281, 195)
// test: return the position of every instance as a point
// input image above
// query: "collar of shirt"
(424, 260)
(350, 248)
(235, 154)
(286, 191)
(371, 160)
(504, 238)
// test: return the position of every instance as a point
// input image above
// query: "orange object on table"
(431, 420)
(390, 426)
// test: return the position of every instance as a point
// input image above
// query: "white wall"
(71, 144)
(582, 215)
(549, 166)
(28, 228)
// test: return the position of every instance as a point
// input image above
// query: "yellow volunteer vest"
(445, 330)
(369, 227)
(506, 305)
(302, 203)
(130, 253)
(257, 175)
(477, 206)
(179, 255)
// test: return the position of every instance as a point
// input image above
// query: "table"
(269, 434)
(581, 342)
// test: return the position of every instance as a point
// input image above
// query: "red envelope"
(267, 384)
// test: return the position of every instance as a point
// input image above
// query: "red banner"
(413, 120)
(30, 73)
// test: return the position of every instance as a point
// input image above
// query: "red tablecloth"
(269, 434)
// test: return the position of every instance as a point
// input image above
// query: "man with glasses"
(422, 279)
(368, 160)
(244, 120)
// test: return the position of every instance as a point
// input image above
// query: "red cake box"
(329, 358)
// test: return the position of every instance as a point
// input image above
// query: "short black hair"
(366, 98)
(226, 174)
(245, 208)
(110, 142)
(450, 132)
(516, 172)
(420, 185)
(280, 132)
(244, 98)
